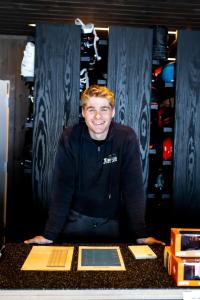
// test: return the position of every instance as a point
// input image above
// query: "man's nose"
(98, 115)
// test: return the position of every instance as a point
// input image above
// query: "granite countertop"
(139, 273)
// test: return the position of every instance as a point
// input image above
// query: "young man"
(98, 178)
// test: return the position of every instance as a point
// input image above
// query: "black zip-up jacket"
(98, 180)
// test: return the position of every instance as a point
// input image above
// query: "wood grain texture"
(129, 76)
(57, 68)
(186, 183)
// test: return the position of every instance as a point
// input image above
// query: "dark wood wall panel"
(129, 76)
(187, 129)
(57, 69)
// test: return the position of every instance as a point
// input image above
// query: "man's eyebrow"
(104, 106)
(88, 107)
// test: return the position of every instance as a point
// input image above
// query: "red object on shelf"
(167, 148)
(165, 117)
(157, 71)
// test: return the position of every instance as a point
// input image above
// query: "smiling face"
(98, 115)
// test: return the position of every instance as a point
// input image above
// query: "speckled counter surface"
(139, 274)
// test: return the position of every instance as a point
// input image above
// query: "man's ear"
(113, 113)
(82, 112)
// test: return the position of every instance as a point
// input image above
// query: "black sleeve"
(62, 190)
(133, 195)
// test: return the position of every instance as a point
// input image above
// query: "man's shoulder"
(123, 130)
(71, 136)
(71, 131)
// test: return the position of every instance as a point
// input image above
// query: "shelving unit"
(27, 151)
(27, 75)
(96, 69)
(159, 193)
(95, 72)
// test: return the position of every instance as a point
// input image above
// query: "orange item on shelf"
(185, 272)
(185, 242)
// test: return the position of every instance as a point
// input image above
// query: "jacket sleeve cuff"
(50, 235)
(140, 234)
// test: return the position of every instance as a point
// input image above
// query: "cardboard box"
(185, 242)
(167, 258)
(185, 271)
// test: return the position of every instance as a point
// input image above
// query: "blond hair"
(97, 91)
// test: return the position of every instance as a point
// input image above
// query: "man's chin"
(98, 134)
(98, 129)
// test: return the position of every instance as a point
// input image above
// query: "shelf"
(29, 124)
(152, 151)
(28, 79)
(103, 42)
(85, 58)
(157, 62)
(167, 163)
(101, 82)
(163, 196)
(167, 129)
(154, 106)
(169, 84)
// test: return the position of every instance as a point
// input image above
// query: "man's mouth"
(98, 124)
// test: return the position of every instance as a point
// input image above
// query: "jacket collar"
(88, 137)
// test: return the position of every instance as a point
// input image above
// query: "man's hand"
(149, 241)
(39, 239)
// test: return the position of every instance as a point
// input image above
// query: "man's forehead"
(97, 98)
(97, 102)
(97, 105)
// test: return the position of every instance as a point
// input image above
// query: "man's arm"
(133, 191)
(62, 191)
(133, 187)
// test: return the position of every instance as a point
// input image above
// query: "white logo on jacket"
(110, 159)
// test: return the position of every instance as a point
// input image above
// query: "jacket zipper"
(98, 153)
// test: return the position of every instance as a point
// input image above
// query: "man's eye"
(91, 110)
(105, 109)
